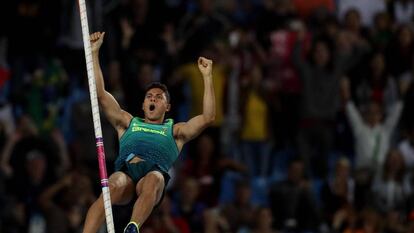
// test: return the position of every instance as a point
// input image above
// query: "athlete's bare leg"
(149, 190)
(121, 188)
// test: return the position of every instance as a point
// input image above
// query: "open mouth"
(152, 107)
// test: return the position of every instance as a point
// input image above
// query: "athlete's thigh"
(152, 182)
(122, 188)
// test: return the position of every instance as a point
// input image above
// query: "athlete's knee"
(119, 187)
(116, 191)
(154, 179)
(153, 184)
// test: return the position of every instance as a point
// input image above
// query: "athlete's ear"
(168, 107)
(142, 106)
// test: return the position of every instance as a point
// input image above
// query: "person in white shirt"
(406, 148)
(402, 10)
(372, 131)
(367, 8)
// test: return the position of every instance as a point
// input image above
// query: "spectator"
(363, 192)
(352, 23)
(208, 168)
(402, 11)
(69, 36)
(406, 148)
(372, 133)
(162, 221)
(368, 221)
(292, 202)
(366, 8)
(65, 203)
(199, 29)
(254, 133)
(274, 16)
(320, 102)
(381, 33)
(262, 222)
(378, 85)
(25, 129)
(306, 8)
(239, 213)
(395, 222)
(338, 192)
(283, 85)
(388, 187)
(400, 52)
(188, 207)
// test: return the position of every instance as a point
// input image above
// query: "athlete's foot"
(132, 227)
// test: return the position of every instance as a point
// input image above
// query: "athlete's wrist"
(208, 76)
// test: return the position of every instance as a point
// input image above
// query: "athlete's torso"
(150, 142)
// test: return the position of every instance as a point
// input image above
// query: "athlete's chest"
(147, 130)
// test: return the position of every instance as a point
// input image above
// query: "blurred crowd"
(314, 129)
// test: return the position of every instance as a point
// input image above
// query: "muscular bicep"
(116, 116)
(185, 131)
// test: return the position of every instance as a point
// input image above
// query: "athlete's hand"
(205, 66)
(96, 40)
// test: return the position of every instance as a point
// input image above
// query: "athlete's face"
(155, 104)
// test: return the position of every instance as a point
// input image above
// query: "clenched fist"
(96, 40)
(205, 66)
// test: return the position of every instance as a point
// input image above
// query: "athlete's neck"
(159, 121)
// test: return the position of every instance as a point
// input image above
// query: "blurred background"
(314, 129)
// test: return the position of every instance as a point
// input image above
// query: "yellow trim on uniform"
(134, 223)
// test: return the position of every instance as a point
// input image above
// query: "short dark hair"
(159, 85)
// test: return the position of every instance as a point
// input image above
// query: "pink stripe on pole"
(101, 160)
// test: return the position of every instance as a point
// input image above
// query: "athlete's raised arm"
(119, 118)
(185, 131)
